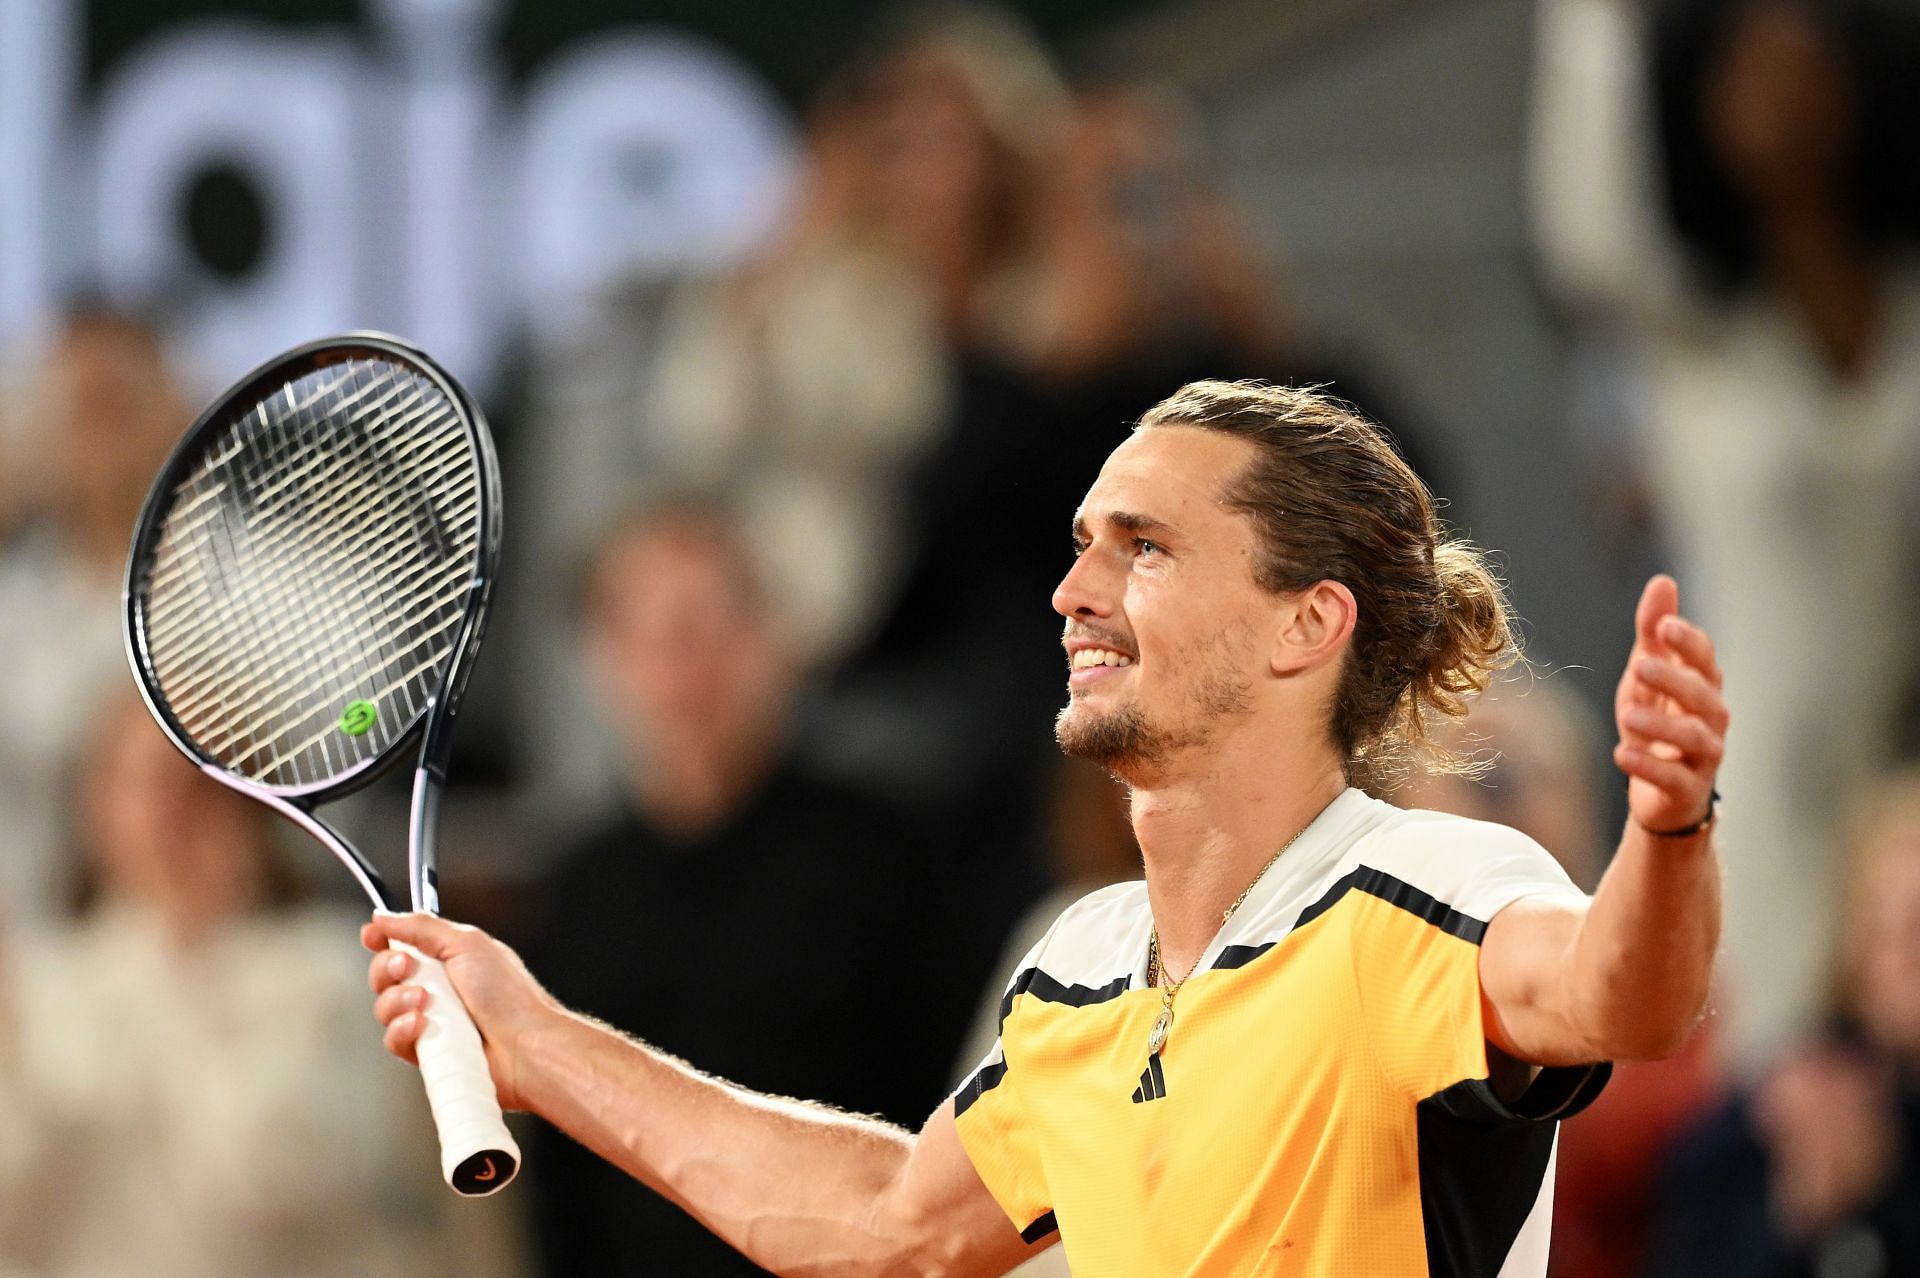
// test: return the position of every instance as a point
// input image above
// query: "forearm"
(1640, 964)
(798, 1188)
(1626, 975)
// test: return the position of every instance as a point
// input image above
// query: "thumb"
(1660, 599)
(431, 935)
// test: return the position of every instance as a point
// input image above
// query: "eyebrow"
(1126, 521)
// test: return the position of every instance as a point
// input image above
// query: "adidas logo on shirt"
(1153, 1083)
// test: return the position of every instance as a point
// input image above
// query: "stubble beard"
(1129, 746)
(1121, 741)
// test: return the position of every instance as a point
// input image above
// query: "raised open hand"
(1671, 716)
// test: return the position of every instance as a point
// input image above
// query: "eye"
(1079, 548)
(1142, 546)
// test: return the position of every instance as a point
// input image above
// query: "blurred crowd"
(772, 691)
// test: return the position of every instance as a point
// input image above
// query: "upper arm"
(940, 1206)
(1594, 175)
(1524, 961)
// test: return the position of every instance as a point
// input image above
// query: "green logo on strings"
(357, 718)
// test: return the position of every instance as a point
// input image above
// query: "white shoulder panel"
(1096, 939)
(1475, 867)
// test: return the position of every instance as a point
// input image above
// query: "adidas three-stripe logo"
(1153, 1084)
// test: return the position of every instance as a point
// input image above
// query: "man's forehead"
(1166, 473)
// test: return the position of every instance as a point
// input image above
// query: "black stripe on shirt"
(1043, 987)
(1375, 883)
(984, 1080)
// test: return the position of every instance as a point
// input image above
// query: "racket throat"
(423, 874)
(357, 865)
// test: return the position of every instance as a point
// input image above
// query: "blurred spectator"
(188, 1084)
(810, 384)
(1088, 843)
(1816, 1171)
(108, 412)
(1123, 275)
(986, 281)
(1735, 182)
(784, 932)
(812, 381)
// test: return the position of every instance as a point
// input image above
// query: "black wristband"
(1688, 831)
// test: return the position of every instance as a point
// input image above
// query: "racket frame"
(432, 725)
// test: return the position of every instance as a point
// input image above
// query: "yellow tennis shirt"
(1321, 1106)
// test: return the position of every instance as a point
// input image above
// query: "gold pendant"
(1158, 1039)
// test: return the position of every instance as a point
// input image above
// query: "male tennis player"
(1324, 1036)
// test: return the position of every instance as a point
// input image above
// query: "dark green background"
(791, 41)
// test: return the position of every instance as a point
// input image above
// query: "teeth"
(1087, 658)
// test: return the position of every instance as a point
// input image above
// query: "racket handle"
(478, 1155)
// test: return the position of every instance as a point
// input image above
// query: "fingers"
(1660, 599)
(1691, 644)
(389, 967)
(397, 1001)
(1660, 631)
(400, 1008)
(425, 932)
(1691, 690)
(1671, 714)
(1671, 776)
(1690, 738)
(403, 1036)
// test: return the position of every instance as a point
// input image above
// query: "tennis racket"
(307, 588)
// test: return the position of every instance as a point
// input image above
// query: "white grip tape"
(478, 1155)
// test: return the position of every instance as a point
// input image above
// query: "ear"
(1314, 628)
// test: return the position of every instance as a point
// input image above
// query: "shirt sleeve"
(990, 1117)
(1429, 893)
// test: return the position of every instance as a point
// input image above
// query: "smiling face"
(1166, 629)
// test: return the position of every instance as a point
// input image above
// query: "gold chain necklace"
(1164, 1024)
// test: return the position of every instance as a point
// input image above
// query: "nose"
(1085, 590)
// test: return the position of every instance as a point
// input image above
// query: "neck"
(1207, 830)
(687, 788)
(1830, 276)
(97, 534)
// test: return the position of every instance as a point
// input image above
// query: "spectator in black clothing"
(1816, 1173)
(1118, 270)
(780, 930)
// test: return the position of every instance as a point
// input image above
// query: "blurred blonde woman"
(188, 1082)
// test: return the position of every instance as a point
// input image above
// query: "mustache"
(1095, 635)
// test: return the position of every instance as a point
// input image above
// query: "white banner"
(400, 184)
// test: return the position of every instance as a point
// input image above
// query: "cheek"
(1196, 632)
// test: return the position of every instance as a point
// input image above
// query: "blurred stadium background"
(803, 327)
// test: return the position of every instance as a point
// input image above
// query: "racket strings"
(350, 535)
(217, 534)
(394, 569)
(319, 555)
(277, 561)
(322, 630)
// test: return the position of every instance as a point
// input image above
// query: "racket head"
(310, 574)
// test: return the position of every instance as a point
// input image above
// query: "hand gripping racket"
(307, 588)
